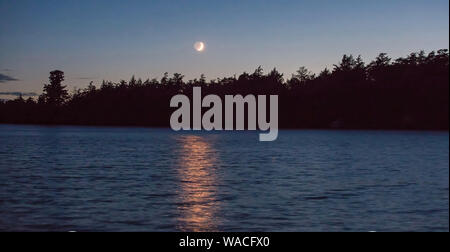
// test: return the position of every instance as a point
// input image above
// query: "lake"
(143, 179)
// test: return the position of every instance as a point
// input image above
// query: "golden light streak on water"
(198, 195)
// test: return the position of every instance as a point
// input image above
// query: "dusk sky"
(113, 40)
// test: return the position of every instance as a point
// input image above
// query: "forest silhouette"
(406, 93)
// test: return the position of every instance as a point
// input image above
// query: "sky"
(95, 40)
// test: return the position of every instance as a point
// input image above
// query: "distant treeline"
(406, 93)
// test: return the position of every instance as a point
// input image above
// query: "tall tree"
(55, 93)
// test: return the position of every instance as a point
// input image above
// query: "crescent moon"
(199, 46)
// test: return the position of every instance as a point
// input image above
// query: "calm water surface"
(136, 179)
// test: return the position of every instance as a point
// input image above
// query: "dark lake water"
(137, 179)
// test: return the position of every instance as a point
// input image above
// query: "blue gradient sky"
(113, 40)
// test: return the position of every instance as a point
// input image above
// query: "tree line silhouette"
(406, 93)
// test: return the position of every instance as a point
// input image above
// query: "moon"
(199, 46)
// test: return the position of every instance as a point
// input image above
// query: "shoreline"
(168, 128)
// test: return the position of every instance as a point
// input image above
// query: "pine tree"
(55, 93)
